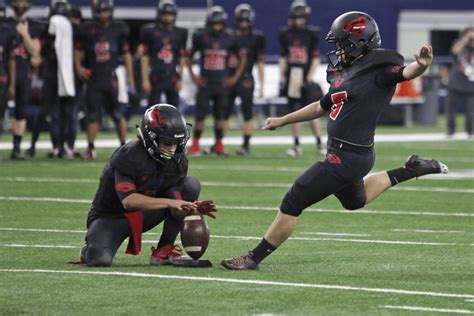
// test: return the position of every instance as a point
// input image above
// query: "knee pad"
(191, 188)
(354, 204)
(98, 257)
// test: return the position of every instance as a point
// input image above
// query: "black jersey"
(7, 38)
(253, 44)
(132, 170)
(358, 95)
(103, 47)
(215, 49)
(164, 47)
(22, 57)
(299, 47)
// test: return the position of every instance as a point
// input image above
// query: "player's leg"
(201, 108)
(70, 118)
(469, 104)
(94, 100)
(296, 149)
(220, 108)
(116, 111)
(452, 102)
(22, 96)
(103, 239)
(315, 126)
(246, 96)
(172, 96)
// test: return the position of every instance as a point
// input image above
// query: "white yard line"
(428, 309)
(245, 281)
(220, 184)
(427, 231)
(251, 208)
(334, 234)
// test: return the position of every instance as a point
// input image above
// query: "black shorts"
(219, 96)
(103, 95)
(341, 174)
(22, 95)
(243, 89)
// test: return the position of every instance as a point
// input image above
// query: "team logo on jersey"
(102, 51)
(20, 51)
(355, 27)
(215, 59)
(166, 54)
(298, 55)
(338, 100)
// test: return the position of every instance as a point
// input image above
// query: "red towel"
(135, 220)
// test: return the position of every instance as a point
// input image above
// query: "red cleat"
(165, 255)
(194, 149)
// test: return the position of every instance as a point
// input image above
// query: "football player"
(253, 42)
(164, 49)
(142, 184)
(103, 41)
(362, 79)
(299, 58)
(7, 63)
(214, 44)
(60, 104)
(27, 53)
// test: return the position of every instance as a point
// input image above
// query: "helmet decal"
(355, 27)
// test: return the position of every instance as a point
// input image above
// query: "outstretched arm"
(308, 113)
(418, 67)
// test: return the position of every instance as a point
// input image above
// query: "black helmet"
(299, 9)
(20, 6)
(163, 122)
(59, 7)
(102, 5)
(355, 33)
(167, 7)
(244, 12)
(3, 10)
(216, 15)
(76, 13)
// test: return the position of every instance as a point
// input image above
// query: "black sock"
(122, 143)
(16, 142)
(399, 175)
(297, 141)
(197, 134)
(263, 250)
(91, 146)
(246, 141)
(171, 228)
(218, 133)
(318, 141)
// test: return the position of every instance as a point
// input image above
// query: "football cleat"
(165, 255)
(421, 166)
(17, 155)
(90, 154)
(244, 262)
(242, 151)
(295, 151)
(30, 152)
(194, 150)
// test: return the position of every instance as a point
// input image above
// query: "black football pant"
(172, 96)
(22, 94)
(3, 103)
(243, 89)
(105, 234)
(341, 174)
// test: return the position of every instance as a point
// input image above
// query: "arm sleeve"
(315, 37)
(196, 45)
(326, 102)
(124, 185)
(78, 34)
(182, 43)
(283, 44)
(390, 75)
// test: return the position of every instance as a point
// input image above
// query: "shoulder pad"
(382, 57)
(132, 160)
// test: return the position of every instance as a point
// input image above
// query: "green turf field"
(411, 248)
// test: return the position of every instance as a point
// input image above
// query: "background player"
(362, 81)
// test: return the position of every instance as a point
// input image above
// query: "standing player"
(27, 50)
(164, 49)
(253, 42)
(141, 185)
(214, 44)
(362, 82)
(103, 42)
(299, 58)
(7, 63)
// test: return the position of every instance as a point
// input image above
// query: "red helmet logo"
(355, 27)
(155, 119)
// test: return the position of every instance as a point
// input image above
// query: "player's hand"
(206, 207)
(425, 57)
(180, 205)
(230, 82)
(146, 86)
(200, 82)
(84, 73)
(273, 122)
(178, 85)
(22, 28)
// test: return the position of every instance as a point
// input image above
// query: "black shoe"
(17, 155)
(244, 262)
(242, 151)
(30, 152)
(420, 166)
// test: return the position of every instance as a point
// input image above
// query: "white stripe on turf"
(245, 281)
(335, 234)
(220, 184)
(426, 231)
(252, 208)
(428, 309)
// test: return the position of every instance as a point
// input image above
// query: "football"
(195, 235)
